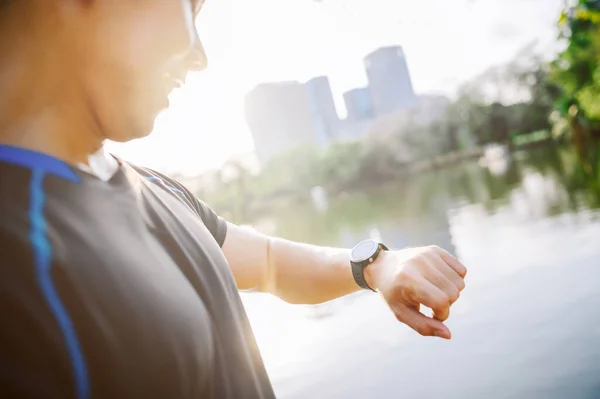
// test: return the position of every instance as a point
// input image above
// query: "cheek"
(156, 36)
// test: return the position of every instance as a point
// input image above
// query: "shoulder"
(166, 183)
(215, 224)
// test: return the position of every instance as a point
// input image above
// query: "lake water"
(526, 326)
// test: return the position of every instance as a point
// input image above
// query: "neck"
(53, 134)
(42, 104)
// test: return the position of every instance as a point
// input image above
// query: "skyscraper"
(279, 117)
(359, 104)
(389, 80)
(286, 114)
(322, 106)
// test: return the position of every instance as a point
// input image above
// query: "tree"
(577, 70)
(340, 165)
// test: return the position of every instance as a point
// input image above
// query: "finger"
(450, 274)
(440, 319)
(452, 262)
(434, 298)
(420, 323)
(437, 278)
(441, 313)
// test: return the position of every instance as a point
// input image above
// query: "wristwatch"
(362, 255)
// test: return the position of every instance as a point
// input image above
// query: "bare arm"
(297, 273)
(308, 274)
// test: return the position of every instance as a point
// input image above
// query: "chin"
(134, 123)
(134, 132)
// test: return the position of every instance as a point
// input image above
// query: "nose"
(196, 59)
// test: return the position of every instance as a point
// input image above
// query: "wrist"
(374, 272)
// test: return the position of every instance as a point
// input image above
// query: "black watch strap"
(358, 269)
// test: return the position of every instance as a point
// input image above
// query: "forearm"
(307, 274)
(297, 273)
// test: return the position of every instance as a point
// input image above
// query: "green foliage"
(577, 69)
(340, 164)
(293, 168)
(524, 139)
(397, 146)
(558, 96)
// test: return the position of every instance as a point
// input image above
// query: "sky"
(446, 42)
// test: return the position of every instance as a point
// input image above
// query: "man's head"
(118, 58)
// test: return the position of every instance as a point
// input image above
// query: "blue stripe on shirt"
(154, 179)
(36, 160)
(43, 263)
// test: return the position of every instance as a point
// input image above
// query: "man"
(115, 282)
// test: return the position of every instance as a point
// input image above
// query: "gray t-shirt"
(116, 289)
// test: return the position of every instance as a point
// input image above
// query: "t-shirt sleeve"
(216, 225)
(213, 222)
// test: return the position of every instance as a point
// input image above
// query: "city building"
(284, 115)
(280, 117)
(389, 80)
(359, 104)
(360, 115)
(287, 114)
(322, 106)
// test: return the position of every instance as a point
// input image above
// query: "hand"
(412, 277)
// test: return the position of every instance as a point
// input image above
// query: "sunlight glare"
(250, 42)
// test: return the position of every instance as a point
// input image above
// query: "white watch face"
(364, 250)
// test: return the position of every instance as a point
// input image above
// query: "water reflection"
(527, 327)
